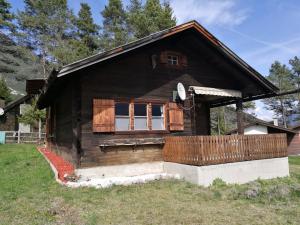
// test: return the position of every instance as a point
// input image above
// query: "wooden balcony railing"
(208, 150)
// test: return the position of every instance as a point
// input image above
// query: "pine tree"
(282, 106)
(149, 18)
(115, 28)
(6, 16)
(166, 19)
(32, 115)
(16, 62)
(135, 18)
(295, 64)
(249, 108)
(87, 29)
(4, 91)
(47, 28)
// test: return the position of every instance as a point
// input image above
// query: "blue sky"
(259, 31)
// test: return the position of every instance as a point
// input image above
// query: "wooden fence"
(208, 150)
(24, 137)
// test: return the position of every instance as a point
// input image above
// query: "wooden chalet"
(116, 107)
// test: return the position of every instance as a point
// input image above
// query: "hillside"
(17, 64)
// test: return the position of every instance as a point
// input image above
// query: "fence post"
(40, 129)
(19, 132)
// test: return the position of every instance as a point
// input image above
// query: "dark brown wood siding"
(60, 137)
(118, 80)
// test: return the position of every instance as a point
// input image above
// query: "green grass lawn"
(29, 195)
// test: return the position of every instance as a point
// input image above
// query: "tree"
(32, 115)
(281, 76)
(146, 19)
(47, 27)
(87, 29)
(295, 64)
(135, 18)
(16, 62)
(85, 22)
(115, 28)
(6, 17)
(249, 107)
(4, 91)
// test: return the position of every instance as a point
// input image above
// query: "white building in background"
(24, 128)
(256, 129)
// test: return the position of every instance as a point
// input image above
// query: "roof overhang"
(17, 102)
(215, 92)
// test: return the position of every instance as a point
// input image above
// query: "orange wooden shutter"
(164, 57)
(103, 115)
(182, 60)
(176, 120)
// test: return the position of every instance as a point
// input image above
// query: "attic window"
(173, 60)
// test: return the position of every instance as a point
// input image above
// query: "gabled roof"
(161, 35)
(17, 102)
(103, 56)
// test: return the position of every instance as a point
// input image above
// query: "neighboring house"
(116, 107)
(9, 120)
(258, 126)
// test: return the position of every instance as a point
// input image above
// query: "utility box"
(2, 137)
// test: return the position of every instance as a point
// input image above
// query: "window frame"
(149, 104)
(163, 116)
(173, 58)
(122, 116)
(147, 116)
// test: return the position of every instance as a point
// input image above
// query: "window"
(140, 117)
(158, 117)
(172, 60)
(122, 116)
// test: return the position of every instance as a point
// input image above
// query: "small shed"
(9, 120)
(258, 126)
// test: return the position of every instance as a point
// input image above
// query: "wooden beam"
(76, 121)
(240, 115)
(253, 98)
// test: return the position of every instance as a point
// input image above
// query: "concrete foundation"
(127, 170)
(239, 172)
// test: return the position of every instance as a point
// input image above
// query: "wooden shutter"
(164, 57)
(103, 115)
(176, 121)
(182, 60)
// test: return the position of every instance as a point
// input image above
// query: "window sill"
(143, 132)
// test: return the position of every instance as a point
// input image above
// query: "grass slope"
(29, 195)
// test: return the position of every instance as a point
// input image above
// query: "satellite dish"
(181, 91)
(1, 111)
